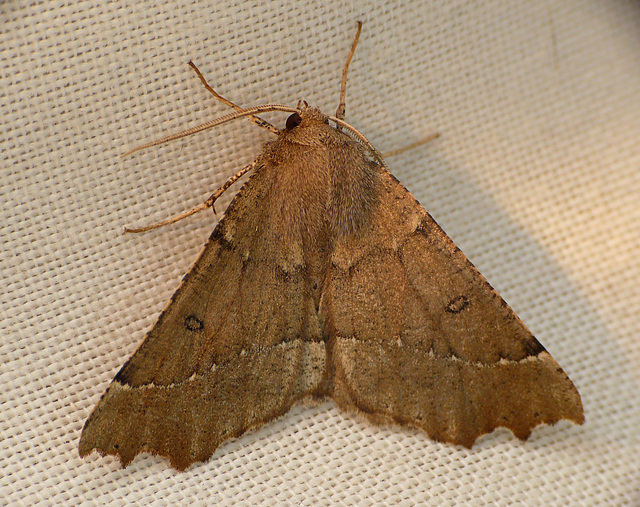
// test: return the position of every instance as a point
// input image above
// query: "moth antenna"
(343, 84)
(376, 154)
(411, 146)
(255, 119)
(214, 123)
(209, 203)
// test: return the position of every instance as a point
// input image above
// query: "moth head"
(305, 117)
(308, 126)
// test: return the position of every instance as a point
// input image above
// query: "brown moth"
(325, 278)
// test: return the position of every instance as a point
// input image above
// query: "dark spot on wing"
(456, 305)
(284, 275)
(193, 323)
(533, 347)
(218, 236)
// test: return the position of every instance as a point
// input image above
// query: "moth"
(325, 278)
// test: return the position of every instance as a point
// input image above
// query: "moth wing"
(237, 345)
(419, 337)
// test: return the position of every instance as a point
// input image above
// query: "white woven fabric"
(536, 176)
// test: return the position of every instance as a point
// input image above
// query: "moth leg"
(411, 146)
(255, 119)
(214, 197)
(209, 203)
(343, 84)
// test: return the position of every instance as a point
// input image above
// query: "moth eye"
(293, 121)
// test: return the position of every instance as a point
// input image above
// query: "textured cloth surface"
(536, 176)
